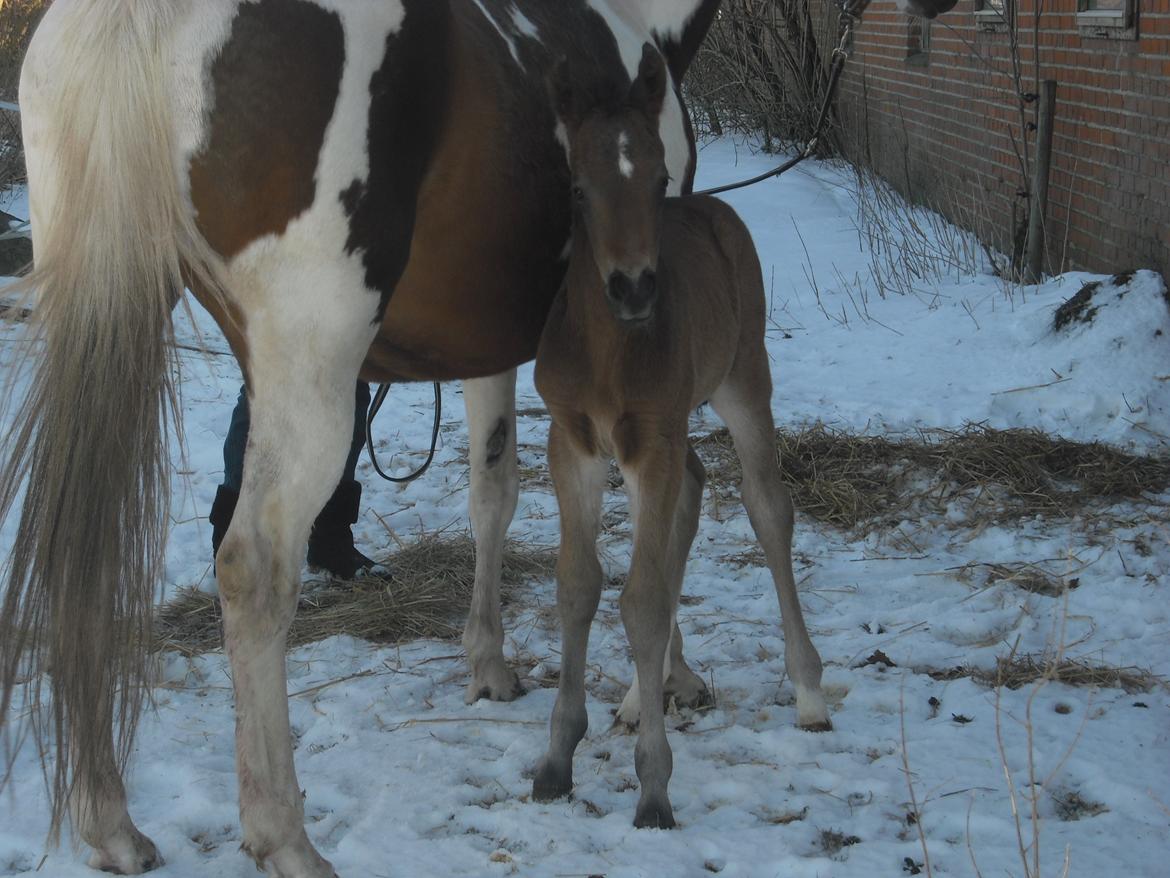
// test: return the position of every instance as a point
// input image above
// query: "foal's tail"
(113, 241)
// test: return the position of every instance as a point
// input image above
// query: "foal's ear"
(563, 95)
(648, 91)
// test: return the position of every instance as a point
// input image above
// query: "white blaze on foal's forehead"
(624, 164)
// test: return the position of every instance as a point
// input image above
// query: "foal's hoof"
(495, 682)
(699, 698)
(823, 725)
(625, 725)
(687, 689)
(131, 854)
(551, 782)
(654, 812)
(812, 714)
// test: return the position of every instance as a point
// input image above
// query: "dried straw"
(1020, 670)
(425, 594)
(852, 481)
(1016, 671)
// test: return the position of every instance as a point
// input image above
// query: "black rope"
(850, 15)
(375, 406)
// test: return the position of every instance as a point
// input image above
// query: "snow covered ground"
(403, 779)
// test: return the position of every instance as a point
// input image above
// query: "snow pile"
(403, 779)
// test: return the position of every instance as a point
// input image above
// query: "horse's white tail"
(113, 238)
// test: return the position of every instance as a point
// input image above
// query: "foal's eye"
(578, 194)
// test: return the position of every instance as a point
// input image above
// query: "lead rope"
(849, 18)
(375, 406)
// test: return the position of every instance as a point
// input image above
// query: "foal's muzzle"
(632, 300)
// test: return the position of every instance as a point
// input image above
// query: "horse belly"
(463, 310)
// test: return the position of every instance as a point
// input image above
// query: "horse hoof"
(823, 725)
(498, 683)
(687, 689)
(133, 855)
(654, 813)
(551, 783)
(698, 698)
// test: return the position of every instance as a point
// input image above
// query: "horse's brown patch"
(274, 84)
(485, 256)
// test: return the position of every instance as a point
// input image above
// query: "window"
(1108, 19)
(917, 41)
(991, 15)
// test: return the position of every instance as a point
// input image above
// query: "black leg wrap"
(331, 541)
(222, 511)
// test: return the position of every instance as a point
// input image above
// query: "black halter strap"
(375, 407)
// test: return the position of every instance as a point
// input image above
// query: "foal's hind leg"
(495, 484)
(580, 483)
(679, 680)
(744, 404)
(302, 409)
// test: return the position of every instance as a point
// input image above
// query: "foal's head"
(619, 183)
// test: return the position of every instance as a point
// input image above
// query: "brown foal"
(663, 308)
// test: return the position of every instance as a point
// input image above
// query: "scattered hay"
(426, 594)
(1071, 805)
(833, 841)
(1026, 575)
(848, 480)
(1016, 671)
(839, 478)
(1020, 670)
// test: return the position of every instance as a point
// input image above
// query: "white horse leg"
(97, 806)
(495, 485)
(302, 415)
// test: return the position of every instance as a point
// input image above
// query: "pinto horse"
(663, 307)
(350, 187)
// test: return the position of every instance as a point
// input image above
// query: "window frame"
(1108, 24)
(990, 20)
(919, 57)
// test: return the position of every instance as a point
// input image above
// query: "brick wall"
(945, 128)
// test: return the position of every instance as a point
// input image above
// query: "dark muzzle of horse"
(632, 300)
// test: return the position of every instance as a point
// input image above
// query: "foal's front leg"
(679, 680)
(579, 478)
(495, 485)
(654, 475)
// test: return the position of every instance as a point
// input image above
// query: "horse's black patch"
(497, 442)
(275, 84)
(568, 30)
(408, 106)
(574, 32)
(680, 50)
